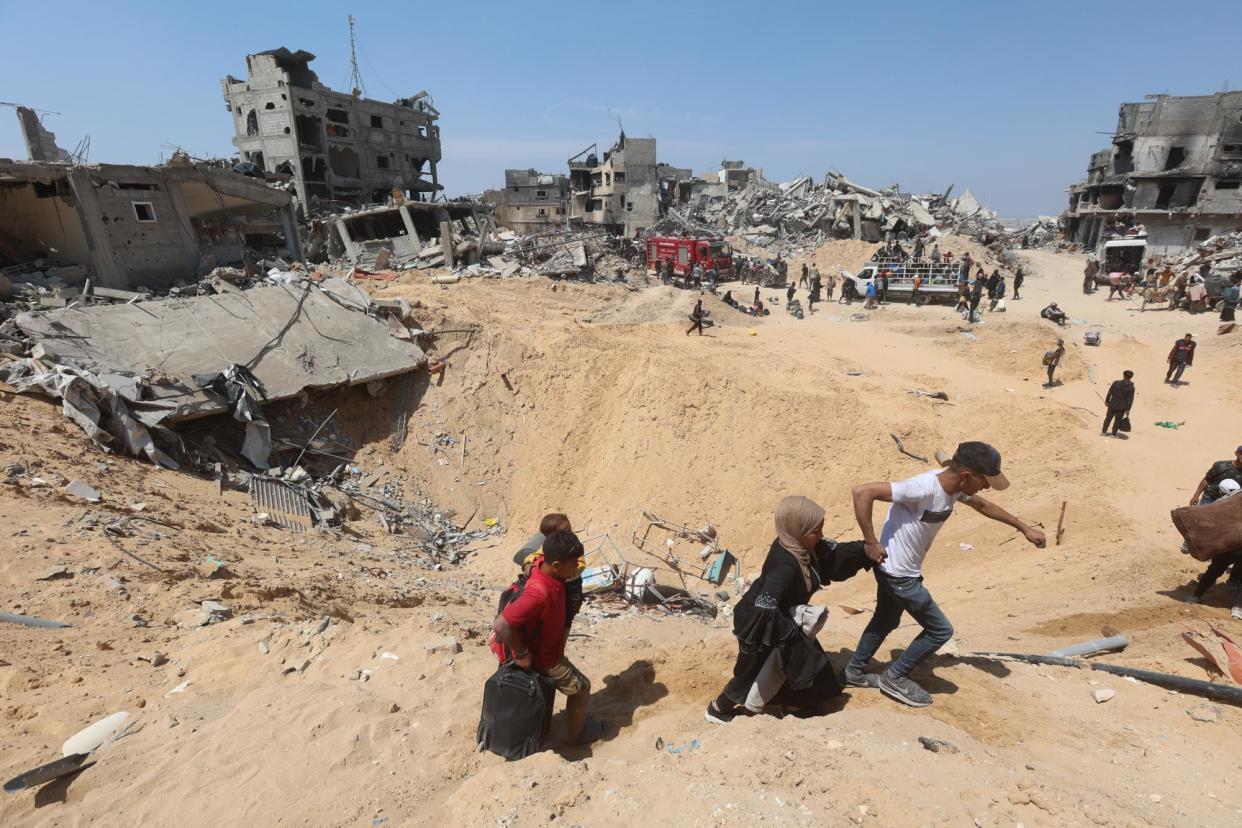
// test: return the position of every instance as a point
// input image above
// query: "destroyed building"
(734, 175)
(531, 201)
(1174, 166)
(338, 147)
(414, 234)
(131, 227)
(621, 191)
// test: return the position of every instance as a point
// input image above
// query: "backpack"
(1049, 357)
(517, 711)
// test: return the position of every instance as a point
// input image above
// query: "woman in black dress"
(799, 562)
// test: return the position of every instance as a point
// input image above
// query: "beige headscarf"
(797, 516)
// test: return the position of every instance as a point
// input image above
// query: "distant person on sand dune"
(1019, 277)
(696, 318)
(1119, 400)
(1052, 361)
(920, 506)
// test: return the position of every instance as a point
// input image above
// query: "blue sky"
(1004, 98)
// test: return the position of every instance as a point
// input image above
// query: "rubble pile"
(794, 218)
(1045, 231)
(1222, 254)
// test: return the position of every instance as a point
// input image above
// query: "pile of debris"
(1222, 254)
(1045, 231)
(794, 218)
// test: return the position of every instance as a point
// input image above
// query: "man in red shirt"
(533, 628)
(1180, 358)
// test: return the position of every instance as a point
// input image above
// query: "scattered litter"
(673, 748)
(966, 547)
(937, 745)
(180, 688)
(79, 489)
(1103, 694)
(1167, 424)
(390, 656)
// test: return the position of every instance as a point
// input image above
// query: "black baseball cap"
(981, 458)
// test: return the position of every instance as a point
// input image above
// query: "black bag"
(517, 711)
(1123, 423)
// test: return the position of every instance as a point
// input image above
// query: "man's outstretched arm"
(865, 495)
(990, 510)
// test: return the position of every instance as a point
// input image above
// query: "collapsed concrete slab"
(290, 337)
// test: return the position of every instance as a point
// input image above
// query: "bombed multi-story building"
(337, 147)
(620, 191)
(530, 201)
(1175, 166)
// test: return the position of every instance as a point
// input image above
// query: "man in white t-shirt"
(920, 507)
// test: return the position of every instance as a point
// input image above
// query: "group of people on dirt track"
(780, 664)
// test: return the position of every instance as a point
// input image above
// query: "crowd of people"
(1190, 290)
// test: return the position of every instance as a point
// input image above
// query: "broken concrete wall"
(40, 142)
(39, 221)
(132, 226)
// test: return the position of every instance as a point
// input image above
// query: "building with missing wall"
(341, 149)
(1174, 166)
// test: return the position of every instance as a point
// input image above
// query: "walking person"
(1019, 277)
(758, 302)
(1119, 399)
(976, 296)
(830, 287)
(871, 295)
(882, 293)
(1115, 286)
(765, 620)
(1217, 566)
(998, 292)
(920, 506)
(1229, 301)
(789, 293)
(1052, 361)
(696, 318)
(816, 287)
(532, 630)
(803, 279)
(1180, 358)
(914, 290)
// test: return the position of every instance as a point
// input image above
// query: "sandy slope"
(613, 409)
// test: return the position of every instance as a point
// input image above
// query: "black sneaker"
(717, 716)
(904, 690)
(854, 678)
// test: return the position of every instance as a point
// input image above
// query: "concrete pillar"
(351, 249)
(410, 229)
(293, 239)
(446, 238)
(857, 219)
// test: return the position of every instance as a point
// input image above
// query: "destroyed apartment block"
(414, 234)
(341, 149)
(126, 371)
(1174, 166)
(622, 190)
(131, 227)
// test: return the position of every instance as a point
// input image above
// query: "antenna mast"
(359, 89)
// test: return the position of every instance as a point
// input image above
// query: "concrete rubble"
(794, 218)
(123, 370)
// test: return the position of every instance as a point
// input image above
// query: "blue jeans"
(893, 596)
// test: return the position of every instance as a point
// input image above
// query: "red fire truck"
(686, 253)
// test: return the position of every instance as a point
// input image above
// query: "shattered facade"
(1174, 166)
(136, 227)
(530, 201)
(338, 147)
(415, 234)
(620, 191)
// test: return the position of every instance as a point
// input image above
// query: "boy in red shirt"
(533, 628)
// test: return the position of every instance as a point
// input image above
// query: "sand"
(610, 408)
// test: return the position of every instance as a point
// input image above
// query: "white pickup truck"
(939, 282)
